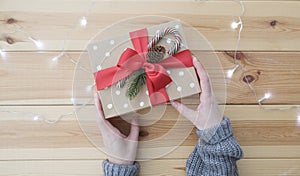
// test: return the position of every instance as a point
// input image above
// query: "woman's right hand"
(207, 114)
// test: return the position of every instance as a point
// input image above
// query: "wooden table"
(32, 84)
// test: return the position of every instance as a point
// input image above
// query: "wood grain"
(38, 80)
(262, 134)
(67, 134)
(182, 152)
(32, 85)
(212, 19)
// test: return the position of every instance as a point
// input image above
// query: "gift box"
(142, 68)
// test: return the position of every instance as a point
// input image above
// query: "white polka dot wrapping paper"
(106, 53)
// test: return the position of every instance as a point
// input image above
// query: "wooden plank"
(262, 134)
(33, 86)
(38, 80)
(247, 167)
(114, 6)
(68, 134)
(235, 112)
(182, 152)
(43, 21)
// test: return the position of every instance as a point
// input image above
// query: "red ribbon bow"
(131, 60)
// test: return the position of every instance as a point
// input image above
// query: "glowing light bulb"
(83, 21)
(58, 56)
(36, 117)
(235, 25)
(3, 53)
(298, 116)
(37, 43)
(72, 100)
(266, 96)
(231, 71)
(89, 88)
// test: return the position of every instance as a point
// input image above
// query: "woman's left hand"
(120, 149)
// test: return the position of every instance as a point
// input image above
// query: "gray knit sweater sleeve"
(216, 152)
(111, 169)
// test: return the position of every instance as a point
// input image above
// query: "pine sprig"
(154, 55)
(138, 79)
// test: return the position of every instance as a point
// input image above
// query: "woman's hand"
(207, 113)
(120, 149)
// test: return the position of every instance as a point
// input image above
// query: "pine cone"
(156, 54)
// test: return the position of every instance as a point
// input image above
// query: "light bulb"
(72, 100)
(231, 71)
(234, 25)
(298, 116)
(267, 95)
(89, 88)
(36, 117)
(57, 56)
(83, 21)
(37, 43)
(3, 53)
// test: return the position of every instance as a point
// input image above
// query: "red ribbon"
(131, 60)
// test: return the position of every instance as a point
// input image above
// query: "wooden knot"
(248, 78)
(11, 21)
(251, 76)
(10, 40)
(258, 72)
(143, 133)
(273, 23)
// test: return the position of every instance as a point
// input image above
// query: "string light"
(266, 96)
(231, 71)
(38, 43)
(72, 100)
(2, 53)
(235, 25)
(298, 116)
(39, 117)
(89, 88)
(36, 117)
(19, 28)
(83, 21)
(54, 59)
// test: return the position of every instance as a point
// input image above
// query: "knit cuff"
(216, 133)
(111, 169)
